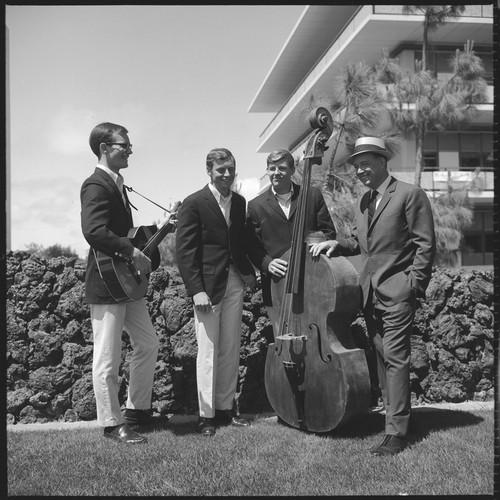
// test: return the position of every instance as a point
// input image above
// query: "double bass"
(316, 378)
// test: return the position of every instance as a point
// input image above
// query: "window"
(478, 240)
(487, 59)
(469, 160)
(473, 243)
(430, 161)
(443, 62)
(448, 141)
(474, 150)
(487, 151)
(488, 160)
(440, 61)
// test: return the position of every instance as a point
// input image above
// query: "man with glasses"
(106, 219)
(270, 219)
(212, 261)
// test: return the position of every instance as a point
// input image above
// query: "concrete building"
(327, 38)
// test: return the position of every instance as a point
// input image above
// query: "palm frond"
(466, 63)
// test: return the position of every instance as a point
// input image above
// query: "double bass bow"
(316, 378)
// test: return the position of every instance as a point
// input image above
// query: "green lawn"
(452, 454)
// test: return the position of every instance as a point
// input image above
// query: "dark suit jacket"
(397, 249)
(205, 245)
(269, 232)
(105, 224)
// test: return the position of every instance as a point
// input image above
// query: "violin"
(315, 377)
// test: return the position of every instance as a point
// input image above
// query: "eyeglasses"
(221, 170)
(281, 170)
(125, 146)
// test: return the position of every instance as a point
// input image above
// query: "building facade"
(326, 38)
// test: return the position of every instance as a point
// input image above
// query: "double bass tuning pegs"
(321, 118)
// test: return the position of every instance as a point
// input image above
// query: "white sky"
(179, 78)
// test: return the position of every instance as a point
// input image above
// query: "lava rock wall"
(49, 342)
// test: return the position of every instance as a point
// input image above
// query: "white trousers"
(218, 334)
(108, 323)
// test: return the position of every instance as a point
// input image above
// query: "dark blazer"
(105, 224)
(269, 232)
(397, 249)
(205, 245)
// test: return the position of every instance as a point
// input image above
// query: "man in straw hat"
(394, 233)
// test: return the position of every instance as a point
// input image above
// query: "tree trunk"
(424, 42)
(419, 154)
(421, 128)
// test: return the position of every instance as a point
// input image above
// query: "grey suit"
(397, 251)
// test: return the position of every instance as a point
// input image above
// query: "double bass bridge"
(291, 349)
(295, 346)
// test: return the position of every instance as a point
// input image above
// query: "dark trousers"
(390, 329)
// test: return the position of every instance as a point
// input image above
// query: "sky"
(179, 78)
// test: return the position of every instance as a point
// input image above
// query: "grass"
(452, 454)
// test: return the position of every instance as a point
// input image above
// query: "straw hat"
(370, 145)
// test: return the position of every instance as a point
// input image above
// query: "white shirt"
(381, 190)
(284, 200)
(224, 202)
(118, 178)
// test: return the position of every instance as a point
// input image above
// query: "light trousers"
(108, 323)
(218, 335)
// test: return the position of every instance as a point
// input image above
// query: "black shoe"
(230, 417)
(391, 445)
(124, 434)
(383, 443)
(205, 426)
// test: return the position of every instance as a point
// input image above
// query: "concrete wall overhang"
(356, 33)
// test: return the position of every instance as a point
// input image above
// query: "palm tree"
(434, 16)
(452, 213)
(419, 102)
(358, 110)
(415, 103)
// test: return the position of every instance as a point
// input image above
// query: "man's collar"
(218, 195)
(287, 195)
(112, 174)
(381, 189)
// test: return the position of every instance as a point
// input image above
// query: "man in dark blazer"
(394, 233)
(212, 261)
(106, 219)
(270, 219)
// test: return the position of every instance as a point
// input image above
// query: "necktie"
(120, 182)
(371, 205)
